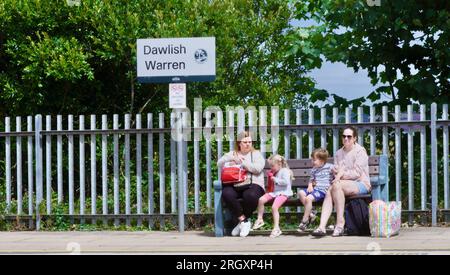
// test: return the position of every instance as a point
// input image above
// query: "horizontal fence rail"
(132, 169)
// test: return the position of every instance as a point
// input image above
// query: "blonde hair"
(282, 162)
(320, 153)
(240, 137)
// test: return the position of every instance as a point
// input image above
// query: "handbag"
(385, 218)
(233, 174)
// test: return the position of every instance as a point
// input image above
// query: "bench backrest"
(302, 167)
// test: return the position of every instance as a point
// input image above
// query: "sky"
(338, 79)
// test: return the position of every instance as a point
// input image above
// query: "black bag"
(357, 217)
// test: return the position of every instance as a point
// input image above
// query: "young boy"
(321, 177)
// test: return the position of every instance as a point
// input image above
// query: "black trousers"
(250, 195)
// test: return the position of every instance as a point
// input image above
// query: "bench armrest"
(217, 185)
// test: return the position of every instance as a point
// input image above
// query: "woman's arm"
(225, 158)
(360, 166)
(257, 165)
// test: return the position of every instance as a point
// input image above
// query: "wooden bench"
(378, 170)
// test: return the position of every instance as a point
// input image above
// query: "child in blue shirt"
(319, 183)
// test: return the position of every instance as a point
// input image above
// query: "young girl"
(281, 176)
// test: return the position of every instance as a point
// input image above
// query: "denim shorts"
(318, 195)
(362, 188)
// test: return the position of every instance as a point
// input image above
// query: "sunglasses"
(347, 136)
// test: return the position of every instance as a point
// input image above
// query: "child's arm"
(284, 178)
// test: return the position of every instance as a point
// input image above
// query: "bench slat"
(306, 163)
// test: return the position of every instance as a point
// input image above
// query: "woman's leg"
(250, 199)
(277, 203)
(230, 195)
(327, 208)
(341, 189)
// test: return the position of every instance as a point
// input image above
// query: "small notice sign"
(177, 95)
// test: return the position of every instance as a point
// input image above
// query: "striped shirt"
(322, 177)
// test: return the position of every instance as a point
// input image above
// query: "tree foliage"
(404, 45)
(56, 58)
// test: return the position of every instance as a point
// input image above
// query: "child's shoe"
(302, 226)
(258, 224)
(275, 233)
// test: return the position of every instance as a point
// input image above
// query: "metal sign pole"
(180, 171)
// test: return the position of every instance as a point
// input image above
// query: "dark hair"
(354, 130)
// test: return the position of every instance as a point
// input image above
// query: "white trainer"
(236, 230)
(245, 228)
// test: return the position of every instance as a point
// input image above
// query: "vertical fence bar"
(385, 142)
(19, 165)
(82, 169)
(93, 169)
(323, 132)
(434, 166)
(241, 120)
(116, 168)
(310, 132)
(30, 169)
(151, 188)
(298, 141)
(372, 131)
(185, 161)
(262, 130)
(71, 167)
(385, 118)
(360, 130)
(127, 170)
(348, 115)
(219, 134)
(59, 159)
(298, 134)
(208, 160)
(445, 158)
(162, 173)
(39, 168)
(287, 143)
(423, 155)
(287, 148)
(335, 131)
(173, 168)
(48, 166)
(275, 122)
(8, 164)
(105, 168)
(197, 135)
(398, 161)
(231, 128)
(139, 168)
(410, 164)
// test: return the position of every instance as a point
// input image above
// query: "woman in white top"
(251, 190)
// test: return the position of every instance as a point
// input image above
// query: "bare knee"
(309, 200)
